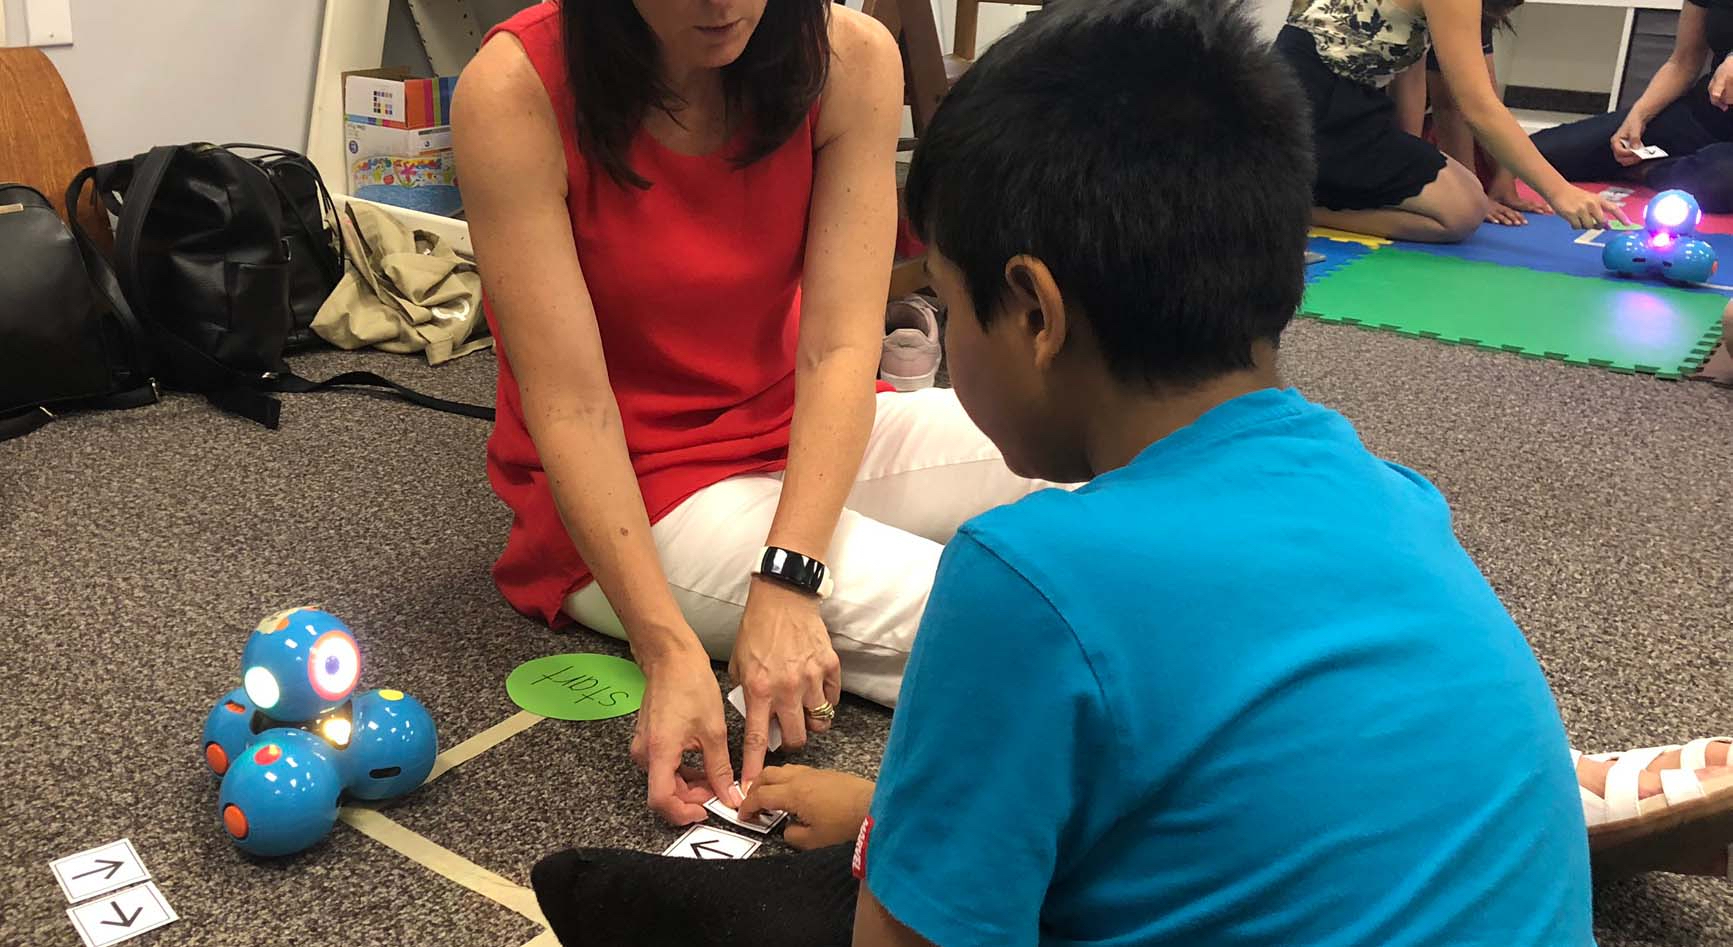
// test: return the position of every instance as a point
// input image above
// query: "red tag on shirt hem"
(860, 848)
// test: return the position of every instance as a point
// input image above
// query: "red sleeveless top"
(696, 287)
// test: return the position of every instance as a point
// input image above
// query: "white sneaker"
(911, 356)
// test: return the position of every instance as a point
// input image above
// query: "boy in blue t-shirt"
(1231, 690)
(1243, 686)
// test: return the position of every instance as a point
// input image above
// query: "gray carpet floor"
(138, 548)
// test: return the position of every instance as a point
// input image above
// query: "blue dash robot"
(1665, 246)
(295, 737)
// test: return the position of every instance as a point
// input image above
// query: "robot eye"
(333, 665)
(261, 688)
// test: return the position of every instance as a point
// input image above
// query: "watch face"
(802, 572)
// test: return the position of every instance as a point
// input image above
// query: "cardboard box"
(402, 167)
(366, 141)
(396, 98)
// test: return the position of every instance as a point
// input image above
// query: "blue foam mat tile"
(1337, 253)
(1548, 244)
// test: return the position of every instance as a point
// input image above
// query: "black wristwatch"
(794, 570)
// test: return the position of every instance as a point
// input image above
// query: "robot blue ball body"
(295, 738)
(1664, 247)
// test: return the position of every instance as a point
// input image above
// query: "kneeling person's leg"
(1707, 174)
(1446, 210)
(928, 469)
(599, 896)
(708, 544)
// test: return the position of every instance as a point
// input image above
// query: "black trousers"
(1697, 137)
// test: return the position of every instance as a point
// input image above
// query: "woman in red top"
(684, 213)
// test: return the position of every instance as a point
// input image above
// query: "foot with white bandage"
(1666, 808)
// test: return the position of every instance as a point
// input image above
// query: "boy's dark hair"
(1155, 154)
(612, 65)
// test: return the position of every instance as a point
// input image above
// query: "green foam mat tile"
(1620, 326)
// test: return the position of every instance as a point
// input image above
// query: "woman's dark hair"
(612, 62)
(1496, 13)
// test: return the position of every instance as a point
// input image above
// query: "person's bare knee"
(1454, 200)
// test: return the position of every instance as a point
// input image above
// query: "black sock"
(594, 895)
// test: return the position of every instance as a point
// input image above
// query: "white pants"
(927, 468)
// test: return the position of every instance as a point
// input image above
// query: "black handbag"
(206, 250)
(68, 340)
(310, 232)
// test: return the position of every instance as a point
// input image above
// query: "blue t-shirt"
(1247, 689)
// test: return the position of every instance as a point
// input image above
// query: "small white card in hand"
(1648, 152)
(737, 697)
(766, 820)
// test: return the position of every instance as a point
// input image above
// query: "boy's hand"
(824, 807)
(1586, 211)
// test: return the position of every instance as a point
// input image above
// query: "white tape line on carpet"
(443, 861)
(482, 742)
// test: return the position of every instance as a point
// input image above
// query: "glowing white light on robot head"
(1671, 211)
(261, 688)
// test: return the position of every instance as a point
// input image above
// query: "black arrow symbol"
(113, 866)
(124, 920)
(709, 846)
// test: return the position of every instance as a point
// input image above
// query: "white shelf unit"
(1630, 7)
(353, 37)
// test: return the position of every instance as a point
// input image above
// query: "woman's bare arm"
(783, 655)
(514, 188)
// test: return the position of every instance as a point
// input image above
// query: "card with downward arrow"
(121, 916)
(99, 870)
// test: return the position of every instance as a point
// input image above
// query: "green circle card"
(577, 686)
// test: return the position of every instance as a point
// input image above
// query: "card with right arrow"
(99, 870)
(704, 842)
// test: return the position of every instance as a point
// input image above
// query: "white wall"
(1561, 47)
(158, 72)
(997, 18)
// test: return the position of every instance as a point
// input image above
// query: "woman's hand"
(784, 659)
(824, 807)
(1721, 86)
(1586, 211)
(1629, 137)
(682, 712)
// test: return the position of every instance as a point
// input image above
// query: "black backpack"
(68, 340)
(310, 232)
(225, 260)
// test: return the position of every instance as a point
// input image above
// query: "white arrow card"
(704, 842)
(98, 870)
(120, 916)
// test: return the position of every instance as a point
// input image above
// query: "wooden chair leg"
(925, 59)
(968, 23)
